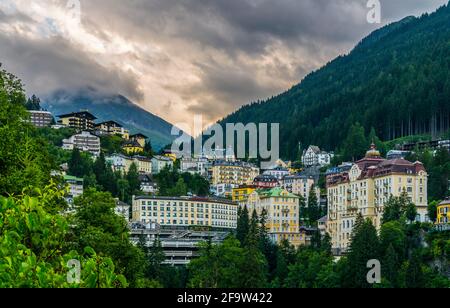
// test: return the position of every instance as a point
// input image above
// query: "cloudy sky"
(178, 58)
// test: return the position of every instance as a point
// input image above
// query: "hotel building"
(184, 212)
(366, 187)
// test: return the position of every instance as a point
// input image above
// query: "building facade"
(443, 213)
(242, 192)
(112, 128)
(185, 212)
(266, 181)
(122, 209)
(82, 121)
(313, 156)
(195, 166)
(161, 162)
(85, 142)
(75, 186)
(282, 209)
(41, 119)
(233, 173)
(279, 173)
(366, 187)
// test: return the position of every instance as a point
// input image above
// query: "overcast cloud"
(184, 57)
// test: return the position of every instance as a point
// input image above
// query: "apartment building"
(85, 142)
(301, 185)
(185, 212)
(122, 163)
(265, 181)
(282, 208)
(112, 128)
(313, 156)
(41, 119)
(82, 121)
(278, 172)
(366, 187)
(195, 165)
(233, 173)
(161, 162)
(75, 186)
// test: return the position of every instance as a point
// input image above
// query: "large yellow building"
(282, 214)
(365, 187)
(443, 213)
(233, 173)
(185, 212)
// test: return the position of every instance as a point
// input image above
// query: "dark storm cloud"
(49, 65)
(198, 56)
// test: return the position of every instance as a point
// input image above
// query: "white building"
(119, 162)
(41, 118)
(123, 209)
(223, 190)
(85, 142)
(148, 186)
(184, 212)
(75, 186)
(160, 162)
(279, 173)
(313, 156)
(195, 166)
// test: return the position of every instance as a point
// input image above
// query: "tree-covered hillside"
(396, 81)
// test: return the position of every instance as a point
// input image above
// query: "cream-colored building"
(282, 210)
(185, 212)
(366, 187)
(301, 186)
(120, 162)
(112, 128)
(233, 173)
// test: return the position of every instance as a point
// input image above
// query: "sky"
(180, 58)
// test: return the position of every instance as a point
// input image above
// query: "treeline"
(396, 81)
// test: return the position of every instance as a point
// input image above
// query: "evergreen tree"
(364, 247)
(243, 225)
(390, 266)
(314, 213)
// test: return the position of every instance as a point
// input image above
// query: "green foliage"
(398, 208)
(111, 144)
(172, 183)
(365, 246)
(226, 266)
(96, 225)
(24, 161)
(33, 247)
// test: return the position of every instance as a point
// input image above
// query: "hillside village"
(299, 200)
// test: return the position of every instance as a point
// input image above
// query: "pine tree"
(313, 207)
(365, 246)
(390, 266)
(243, 225)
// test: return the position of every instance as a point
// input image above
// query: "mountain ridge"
(396, 80)
(112, 107)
